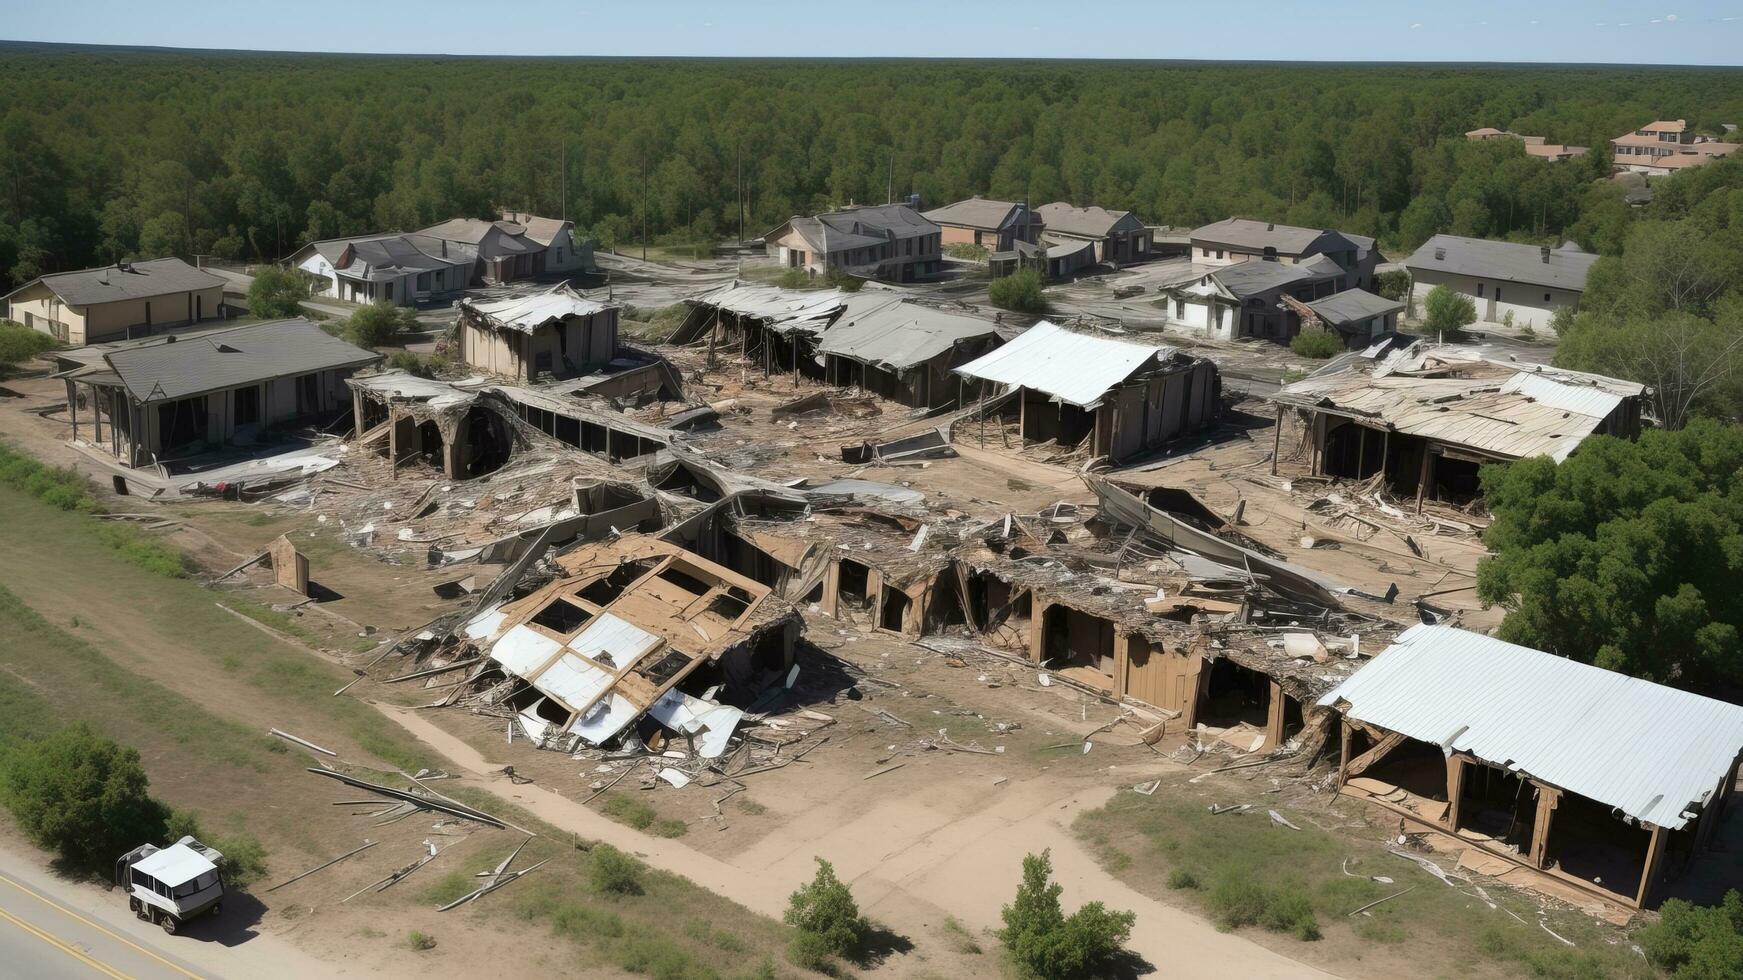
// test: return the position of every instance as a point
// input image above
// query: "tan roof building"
(115, 302)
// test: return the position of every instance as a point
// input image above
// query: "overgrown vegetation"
(422, 365)
(82, 796)
(613, 871)
(1624, 555)
(827, 919)
(1690, 942)
(1020, 292)
(1447, 312)
(379, 324)
(65, 488)
(275, 293)
(1318, 344)
(635, 813)
(19, 343)
(1042, 941)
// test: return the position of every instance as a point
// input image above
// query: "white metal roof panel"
(175, 865)
(1073, 367)
(901, 335)
(1582, 399)
(529, 312)
(1653, 752)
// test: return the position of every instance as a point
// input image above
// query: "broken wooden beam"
(366, 846)
(451, 808)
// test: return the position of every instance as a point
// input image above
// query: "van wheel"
(134, 905)
(169, 924)
(217, 907)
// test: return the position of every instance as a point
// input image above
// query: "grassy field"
(1243, 871)
(153, 661)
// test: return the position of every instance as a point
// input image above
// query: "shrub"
(420, 941)
(809, 951)
(1448, 312)
(1317, 344)
(63, 488)
(1047, 943)
(613, 871)
(1238, 900)
(1020, 291)
(1694, 942)
(1393, 284)
(1182, 878)
(82, 796)
(629, 810)
(825, 908)
(843, 280)
(966, 250)
(19, 343)
(275, 293)
(379, 323)
(793, 278)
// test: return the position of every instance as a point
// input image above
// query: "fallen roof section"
(527, 312)
(1075, 368)
(1655, 753)
(903, 334)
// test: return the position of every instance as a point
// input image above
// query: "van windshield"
(195, 886)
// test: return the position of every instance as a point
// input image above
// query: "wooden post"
(1274, 717)
(795, 360)
(1548, 797)
(1455, 788)
(1426, 475)
(1361, 451)
(1385, 451)
(1655, 849)
(1276, 440)
(1344, 735)
(73, 408)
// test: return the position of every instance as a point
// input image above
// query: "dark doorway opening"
(1498, 804)
(895, 610)
(1235, 695)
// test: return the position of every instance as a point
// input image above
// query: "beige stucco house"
(115, 302)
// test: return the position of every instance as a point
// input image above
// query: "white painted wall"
(1531, 306)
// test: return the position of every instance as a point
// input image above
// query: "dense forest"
(109, 153)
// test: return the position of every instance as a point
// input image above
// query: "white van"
(170, 885)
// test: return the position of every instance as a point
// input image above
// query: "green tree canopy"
(1047, 943)
(275, 293)
(1625, 555)
(82, 796)
(379, 323)
(824, 908)
(19, 343)
(1020, 291)
(1447, 311)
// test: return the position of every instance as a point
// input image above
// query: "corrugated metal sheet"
(528, 313)
(1583, 399)
(1650, 751)
(1074, 368)
(901, 335)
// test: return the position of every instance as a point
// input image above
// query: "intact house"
(893, 242)
(1234, 240)
(1535, 146)
(635, 638)
(497, 251)
(1357, 316)
(169, 398)
(1606, 782)
(553, 332)
(1117, 398)
(1428, 416)
(1665, 147)
(1247, 299)
(1118, 236)
(116, 302)
(563, 252)
(996, 226)
(399, 269)
(1511, 283)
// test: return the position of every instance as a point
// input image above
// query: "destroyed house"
(1607, 782)
(1359, 317)
(169, 398)
(777, 328)
(553, 332)
(635, 637)
(1119, 399)
(115, 302)
(1261, 298)
(1116, 236)
(400, 269)
(883, 241)
(1427, 416)
(905, 352)
(495, 251)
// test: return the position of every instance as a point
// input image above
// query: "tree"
(1692, 365)
(82, 796)
(1693, 942)
(19, 343)
(379, 323)
(1047, 943)
(1019, 291)
(1317, 343)
(825, 909)
(1394, 284)
(1448, 311)
(275, 293)
(1624, 555)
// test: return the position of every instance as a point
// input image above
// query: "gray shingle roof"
(493, 239)
(177, 367)
(140, 280)
(1256, 276)
(1249, 235)
(1091, 222)
(1502, 261)
(1352, 305)
(863, 227)
(976, 212)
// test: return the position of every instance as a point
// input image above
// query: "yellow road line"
(64, 946)
(105, 931)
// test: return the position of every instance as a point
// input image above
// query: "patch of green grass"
(447, 888)
(705, 933)
(1228, 864)
(632, 812)
(420, 941)
(751, 806)
(960, 938)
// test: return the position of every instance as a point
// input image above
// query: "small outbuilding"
(553, 332)
(1124, 399)
(116, 302)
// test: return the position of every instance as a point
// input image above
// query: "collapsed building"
(1604, 781)
(631, 629)
(1428, 416)
(553, 332)
(1115, 398)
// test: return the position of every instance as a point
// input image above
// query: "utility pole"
(738, 164)
(565, 181)
(890, 185)
(644, 209)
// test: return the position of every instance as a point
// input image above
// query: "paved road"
(44, 937)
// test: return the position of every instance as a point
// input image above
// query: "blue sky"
(1708, 32)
